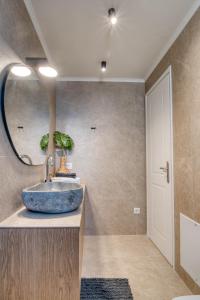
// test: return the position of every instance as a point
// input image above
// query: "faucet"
(49, 163)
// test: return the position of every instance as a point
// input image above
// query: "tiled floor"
(135, 258)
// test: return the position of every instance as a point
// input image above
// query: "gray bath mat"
(105, 288)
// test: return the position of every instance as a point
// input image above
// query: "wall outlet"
(136, 211)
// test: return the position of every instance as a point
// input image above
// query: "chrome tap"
(49, 163)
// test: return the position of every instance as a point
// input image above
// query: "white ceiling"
(76, 34)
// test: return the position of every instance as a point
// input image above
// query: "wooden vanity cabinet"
(41, 259)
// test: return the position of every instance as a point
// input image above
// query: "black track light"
(103, 66)
(112, 16)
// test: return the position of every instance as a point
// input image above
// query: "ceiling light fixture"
(48, 71)
(103, 66)
(21, 71)
(112, 16)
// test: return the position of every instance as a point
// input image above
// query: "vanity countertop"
(23, 218)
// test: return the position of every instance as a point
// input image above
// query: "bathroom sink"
(53, 197)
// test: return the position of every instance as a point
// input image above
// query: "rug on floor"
(105, 288)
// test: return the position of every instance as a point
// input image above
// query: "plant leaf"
(44, 142)
(61, 140)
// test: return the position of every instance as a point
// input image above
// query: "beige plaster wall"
(17, 41)
(184, 57)
(110, 159)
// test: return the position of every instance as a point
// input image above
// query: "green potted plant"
(61, 141)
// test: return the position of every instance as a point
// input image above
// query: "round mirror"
(25, 112)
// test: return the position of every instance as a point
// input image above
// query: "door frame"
(167, 72)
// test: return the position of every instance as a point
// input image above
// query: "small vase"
(63, 169)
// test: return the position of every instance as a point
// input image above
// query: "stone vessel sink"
(53, 197)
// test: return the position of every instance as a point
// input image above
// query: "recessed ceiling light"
(21, 71)
(103, 66)
(112, 16)
(48, 71)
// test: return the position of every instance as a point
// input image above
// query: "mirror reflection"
(26, 110)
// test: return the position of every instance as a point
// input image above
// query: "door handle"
(166, 170)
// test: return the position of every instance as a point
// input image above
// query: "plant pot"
(63, 169)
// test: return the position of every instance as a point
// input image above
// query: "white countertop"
(27, 219)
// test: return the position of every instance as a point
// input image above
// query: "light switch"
(136, 211)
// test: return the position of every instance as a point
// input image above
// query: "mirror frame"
(3, 79)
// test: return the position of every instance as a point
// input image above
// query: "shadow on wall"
(92, 213)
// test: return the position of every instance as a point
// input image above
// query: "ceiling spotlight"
(103, 66)
(112, 16)
(48, 71)
(21, 71)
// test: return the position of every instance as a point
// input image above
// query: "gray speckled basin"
(53, 197)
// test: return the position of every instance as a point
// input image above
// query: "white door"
(159, 138)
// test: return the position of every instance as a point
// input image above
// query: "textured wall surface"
(27, 105)
(110, 159)
(17, 40)
(184, 56)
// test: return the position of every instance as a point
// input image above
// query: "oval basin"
(53, 197)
